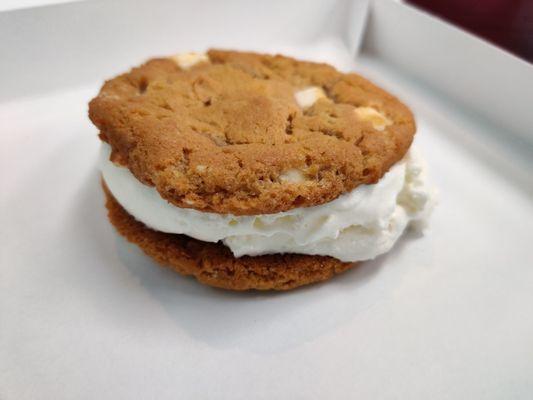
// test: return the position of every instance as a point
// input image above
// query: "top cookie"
(247, 133)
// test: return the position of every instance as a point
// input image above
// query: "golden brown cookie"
(214, 264)
(227, 135)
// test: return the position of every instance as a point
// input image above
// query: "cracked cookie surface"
(239, 133)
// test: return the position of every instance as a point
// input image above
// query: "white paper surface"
(85, 315)
(56, 47)
(479, 76)
(18, 4)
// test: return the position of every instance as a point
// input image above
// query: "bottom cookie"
(213, 263)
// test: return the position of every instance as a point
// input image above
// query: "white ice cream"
(358, 225)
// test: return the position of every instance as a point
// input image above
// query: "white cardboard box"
(85, 315)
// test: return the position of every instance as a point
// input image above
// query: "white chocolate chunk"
(187, 60)
(292, 176)
(378, 120)
(308, 96)
(201, 168)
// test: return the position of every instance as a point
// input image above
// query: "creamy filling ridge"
(358, 225)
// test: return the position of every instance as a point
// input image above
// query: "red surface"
(505, 23)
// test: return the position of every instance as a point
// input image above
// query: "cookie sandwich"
(252, 171)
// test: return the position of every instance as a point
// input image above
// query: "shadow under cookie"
(213, 263)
